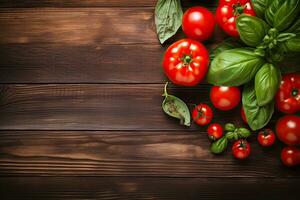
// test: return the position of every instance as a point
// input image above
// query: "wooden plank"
(94, 3)
(100, 45)
(96, 107)
(78, 26)
(130, 153)
(41, 63)
(147, 188)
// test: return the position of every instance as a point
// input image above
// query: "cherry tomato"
(227, 12)
(290, 156)
(288, 129)
(202, 114)
(266, 137)
(198, 23)
(215, 131)
(241, 149)
(225, 98)
(288, 96)
(186, 62)
(244, 116)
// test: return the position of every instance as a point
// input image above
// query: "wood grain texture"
(147, 188)
(97, 107)
(130, 153)
(67, 45)
(41, 63)
(93, 3)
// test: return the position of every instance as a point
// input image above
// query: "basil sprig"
(232, 134)
(168, 15)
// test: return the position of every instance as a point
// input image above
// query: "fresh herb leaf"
(252, 29)
(168, 15)
(234, 67)
(229, 43)
(175, 107)
(257, 116)
(219, 146)
(266, 83)
(260, 6)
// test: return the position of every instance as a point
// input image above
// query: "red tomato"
(215, 131)
(288, 96)
(290, 156)
(241, 149)
(198, 23)
(288, 129)
(244, 115)
(266, 137)
(229, 10)
(202, 114)
(225, 98)
(186, 62)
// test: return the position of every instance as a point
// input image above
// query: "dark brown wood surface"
(81, 118)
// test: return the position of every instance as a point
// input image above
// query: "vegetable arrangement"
(265, 33)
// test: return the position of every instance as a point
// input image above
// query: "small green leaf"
(175, 107)
(267, 81)
(229, 127)
(257, 116)
(294, 28)
(243, 133)
(252, 29)
(168, 15)
(219, 146)
(234, 67)
(230, 135)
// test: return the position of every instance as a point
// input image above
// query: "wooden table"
(80, 115)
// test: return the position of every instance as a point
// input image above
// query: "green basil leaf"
(175, 107)
(257, 116)
(252, 29)
(293, 45)
(234, 67)
(260, 6)
(230, 135)
(229, 127)
(243, 133)
(219, 146)
(281, 13)
(168, 15)
(266, 83)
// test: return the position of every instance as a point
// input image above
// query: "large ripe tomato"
(202, 114)
(215, 131)
(186, 62)
(225, 98)
(229, 10)
(288, 96)
(266, 137)
(288, 129)
(198, 23)
(241, 149)
(290, 156)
